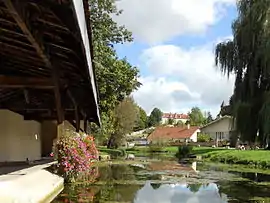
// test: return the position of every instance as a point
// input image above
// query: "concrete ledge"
(39, 186)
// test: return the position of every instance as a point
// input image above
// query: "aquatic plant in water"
(75, 155)
(183, 152)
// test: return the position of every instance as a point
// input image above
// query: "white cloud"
(182, 78)
(154, 21)
(168, 193)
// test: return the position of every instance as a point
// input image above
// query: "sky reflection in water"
(179, 193)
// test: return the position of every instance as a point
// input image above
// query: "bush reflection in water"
(126, 183)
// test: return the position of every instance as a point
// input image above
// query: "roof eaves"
(215, 121)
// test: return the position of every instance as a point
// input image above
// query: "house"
(219, 129)
(175, 117)
(176, 134)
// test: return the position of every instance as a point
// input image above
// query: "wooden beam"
(31, 109)
(25, 82)
(76, 111)
(85, 125)
(22, 24)
(38, 116)
(57, 95)
(39, 47)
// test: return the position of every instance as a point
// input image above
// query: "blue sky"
(173, 48)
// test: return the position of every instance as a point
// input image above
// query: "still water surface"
(169, 182)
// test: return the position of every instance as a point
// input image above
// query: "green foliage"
(254, 158)
(141, 122)
(209, 118)
(170, 121)
(194, 187)
(124, 121)
(247, 57)
(114, 153)
(179, 123)
(203, 138)
(183, 151)
(155, 117)
(158, 146)
(116, 78)
(196, 117)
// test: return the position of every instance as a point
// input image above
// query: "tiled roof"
(172, 133)
(175, 116)
(216, 120)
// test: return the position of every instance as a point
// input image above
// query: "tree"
(247, 57)
(170, 121)
(209, 118)
(179, 123)
(196, 117)
(155, 117)
(116, 78)
(141, 122)
(124, 121)
(194, 187)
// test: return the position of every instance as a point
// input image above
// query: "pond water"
(162, 181)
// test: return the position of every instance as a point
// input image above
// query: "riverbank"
(253, 158)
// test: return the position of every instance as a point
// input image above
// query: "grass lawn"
(257, 158)
(254, 158)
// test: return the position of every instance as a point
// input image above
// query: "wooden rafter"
(77, 124)
(18, 17)
(25, 82)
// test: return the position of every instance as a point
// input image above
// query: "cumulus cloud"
(182, 78)
(154, 21)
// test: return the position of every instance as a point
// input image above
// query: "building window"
(220, 135)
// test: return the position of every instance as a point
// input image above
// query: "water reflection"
(180, 193)
(167, 182)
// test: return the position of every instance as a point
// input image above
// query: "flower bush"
(75, 154)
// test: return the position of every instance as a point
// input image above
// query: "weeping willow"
(247, 57)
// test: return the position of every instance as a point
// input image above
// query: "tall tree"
(170, 121)
(194, 187)
(179, 123)
(209, 118)
(124, 121)
(196, 117)
(247, 57)
(116, 78)
(155, 117)
(141, 122)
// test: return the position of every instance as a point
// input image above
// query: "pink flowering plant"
(75, 155)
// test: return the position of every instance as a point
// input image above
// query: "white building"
(219, 129)
(176, 117)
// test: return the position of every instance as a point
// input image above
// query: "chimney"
(188, 126)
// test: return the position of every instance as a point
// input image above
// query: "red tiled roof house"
(176, 117)
(180, 134)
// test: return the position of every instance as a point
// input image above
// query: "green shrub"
(183, 151)
(158, 146)
(114, 153)
(203, 138)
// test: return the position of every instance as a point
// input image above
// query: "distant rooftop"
(175, 116)
(172, 133)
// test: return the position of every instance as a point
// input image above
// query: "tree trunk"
(110, 143)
